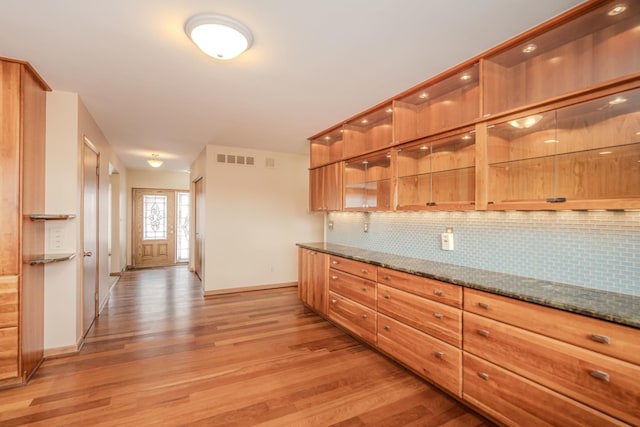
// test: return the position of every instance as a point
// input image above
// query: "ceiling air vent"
(270, 163)
(235, 160)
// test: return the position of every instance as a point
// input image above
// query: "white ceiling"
(313, 63)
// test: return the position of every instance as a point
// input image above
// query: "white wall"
(254, 217)
(152, 178)
(68, 123)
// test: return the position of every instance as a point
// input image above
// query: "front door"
(90, 164)
(153, 225)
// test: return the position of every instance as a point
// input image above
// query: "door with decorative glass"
(154, 225)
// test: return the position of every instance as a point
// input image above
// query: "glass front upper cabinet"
(369, 132)
(326, 148)
(574, 157)
(437, 173)
(436, 107)
(601, 46)
(367, 183)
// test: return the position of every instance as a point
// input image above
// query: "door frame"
(89, 145)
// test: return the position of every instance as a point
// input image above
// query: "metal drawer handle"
(439, 354)
(483, 305)
(364, 316)
(387, 327)
(438, 292)
(386, 277)
(387, 296)
(602, 376)
(483, 375)
(364, 289)
(334, 277)
(438, 315)
(364, 271)
(334, 262)
(603, 339)
(483, 332)
(333, 301)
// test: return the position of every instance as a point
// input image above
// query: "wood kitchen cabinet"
(367, 183)
(22, 146)
(326, 148)
(369, 132)
(325, 188)
(534, 353)
(312, 279)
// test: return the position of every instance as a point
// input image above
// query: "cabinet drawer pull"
(483, 332)
(483, 305)
(364, 316)
(386, 277)
(334, 277)
(439, 354)
(364, 271)
(387, 327)
(438, 292)
(363, 289)
(438, 315)
(483, 375)
(602, 376)
(334, 262)
(333, 301)
(387, 296)
(603, 339)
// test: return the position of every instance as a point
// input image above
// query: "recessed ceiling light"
(389, 110)
(424, 147)
(364, 121)
(218, 36)
(423, 95)
(526, 122)
(618, 100)
(529, 48)
(328, 138)
(365, 162)
(465, 77)
(617, 9)
(466, 137)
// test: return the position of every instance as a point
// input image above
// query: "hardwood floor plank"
(160, 354)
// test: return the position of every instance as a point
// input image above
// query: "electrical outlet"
(446, 241)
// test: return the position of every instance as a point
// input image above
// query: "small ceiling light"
(466, 137)
(529, 48)
(389, 110)
(364, 121)
(526, 122)
(465, 77)
(155, 161)
(617, 9)
(218, 36)
(605, 152)
(550, 141)
(424, 147)
(423, 95)
(327, 138)
(618, 100)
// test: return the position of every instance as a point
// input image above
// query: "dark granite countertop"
(611, 306)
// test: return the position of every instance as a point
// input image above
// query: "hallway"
(160, 354)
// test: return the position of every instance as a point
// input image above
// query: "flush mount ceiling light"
(218, 36)
(526, 122)
(155, 161)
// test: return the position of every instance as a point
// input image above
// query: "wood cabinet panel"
(431, 358)
(516, 401)
(355, 317)
(599, 381)
(436, 319)
(357, 268)
(353, 287)
(312, 279)
(8, 353)
(435, 290)
(9, 301)
(621, 342)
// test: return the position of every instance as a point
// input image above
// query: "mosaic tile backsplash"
(598, 250)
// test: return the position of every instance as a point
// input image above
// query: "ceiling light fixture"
(529, 48)
(526, 122)
(617, 9)
(465, 77)
(155, 161)
(218, 36)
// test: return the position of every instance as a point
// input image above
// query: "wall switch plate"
(446, 241)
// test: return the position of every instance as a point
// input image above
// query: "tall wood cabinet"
(22, 147)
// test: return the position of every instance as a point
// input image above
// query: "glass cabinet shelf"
(433, 108)
(367, 183)
(437, 173)
(369, 132)
(327, 148)
(584, 152)
(597, 47)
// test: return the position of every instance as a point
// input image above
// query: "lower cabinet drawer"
(599, 381)
(431, 358)
(441, 321)
(516, 401)
(353, 287)
(8, 353)
(355, 317)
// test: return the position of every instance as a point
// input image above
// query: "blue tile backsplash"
(598, 250)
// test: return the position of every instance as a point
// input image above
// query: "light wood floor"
(161, 355)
